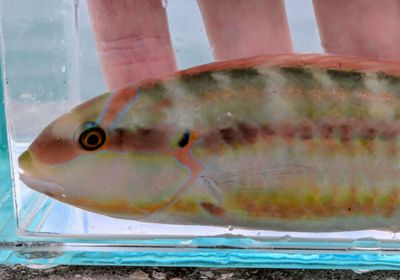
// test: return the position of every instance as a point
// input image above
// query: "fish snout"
(28, 176)
(25, 161)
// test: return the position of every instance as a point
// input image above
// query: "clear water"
(58, 68)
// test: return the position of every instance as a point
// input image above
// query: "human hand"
(133, 40)
(359, 27)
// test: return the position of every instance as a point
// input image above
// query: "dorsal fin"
(322, 61)
(345, 63)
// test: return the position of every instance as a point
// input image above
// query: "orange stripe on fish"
(52, 150)
(185, 157)
(115, 105)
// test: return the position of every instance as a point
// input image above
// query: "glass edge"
(133, 256)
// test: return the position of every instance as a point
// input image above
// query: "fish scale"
(284, 142)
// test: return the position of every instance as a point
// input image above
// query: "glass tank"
(50, 65)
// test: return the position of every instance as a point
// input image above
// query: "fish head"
(126, 173)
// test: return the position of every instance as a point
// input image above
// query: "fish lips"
(47, 187)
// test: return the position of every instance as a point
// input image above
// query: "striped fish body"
(293, 142)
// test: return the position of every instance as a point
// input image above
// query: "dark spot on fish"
(345, 131)
(305, 131)
(249, 132)
(303, 81)
(199, 83)
(213, 209)
(300, 77)
(231, 136)
(286, 131)
(368, 132)
(243, 73)
(184, 139)
(213, 140)
(349, 80)
(267, 130)
(349, 209)
(246, 77)
(149, 138)
(143, 139)
(388, 132)
(327, 129)
(117, 137)
(392, 81)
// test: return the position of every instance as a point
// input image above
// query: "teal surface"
(7, 221)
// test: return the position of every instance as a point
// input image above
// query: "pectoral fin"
(266, 177)
(209, 196)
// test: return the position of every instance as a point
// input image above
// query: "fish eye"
(184, 139)
(91, 137)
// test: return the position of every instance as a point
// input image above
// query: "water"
(59, 55)
(59, 69)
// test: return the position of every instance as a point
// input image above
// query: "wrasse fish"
(287, 142)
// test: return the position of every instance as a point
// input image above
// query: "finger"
(132, 39)
(244, 28)
(360, 27)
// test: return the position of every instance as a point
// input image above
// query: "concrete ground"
(146, 273)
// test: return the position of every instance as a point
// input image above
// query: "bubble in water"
(225, 120)
(63, 69)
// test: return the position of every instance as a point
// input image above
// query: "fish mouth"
(44, 186)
